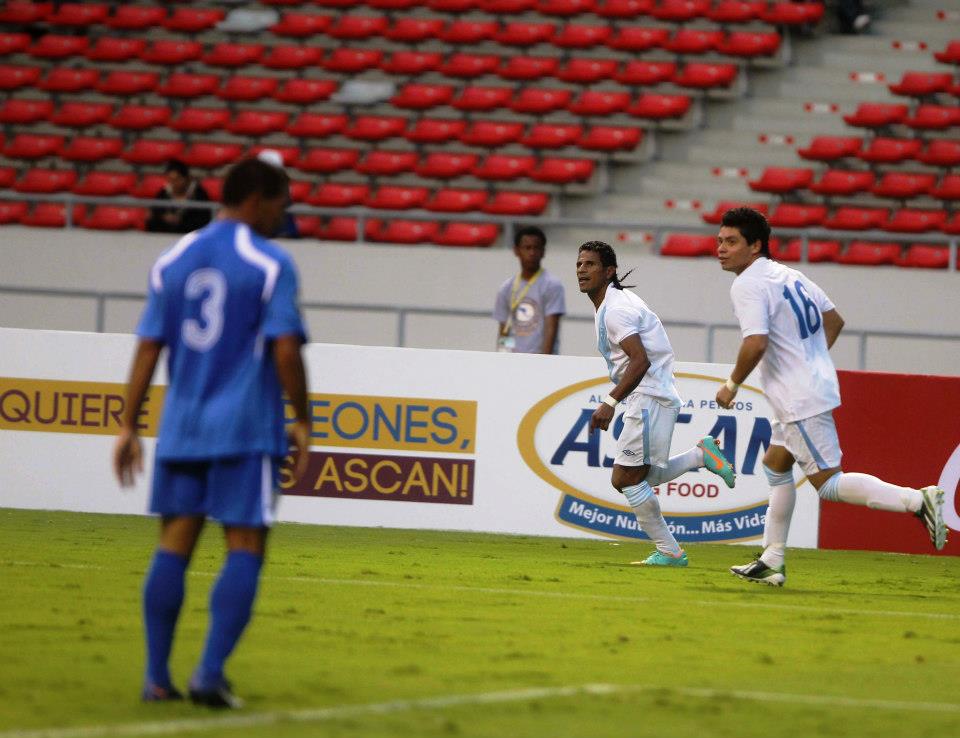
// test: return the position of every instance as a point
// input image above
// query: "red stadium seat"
(288, 154)
(336, 3)
(456, 201)
(817, 251)
(308, 226)
(247, 89)
(65, 79)
(81, 115)
(468, 32)
(107, 49)
(623, 9)
(903, 186)
(115, 218)
(952, 226)
(950, 54)
(473, 99)
(51, 215)
(562, 171)
(338, 228)
(523, 68)
(924, 256)
(53, 46)
(517, 203)
(503, 168)
(393, 197)
(193, 20)
(292, 57)
(46, 181)
(452, 6)
(934, 118)
(136, 17)
(380, 163)
(402, 231)
(831, 148)
(317, 125)
(869, 253)
(203, 155)
(552, 136)
(693, 41)
(838, 182)
(352, 61)
(233, 55)
(566, 8)
(877, 115)
(89, 149)
(258, 122)
(13, 77)
(200, 120)
(20, 111)
(948, 188)
(433, 131)
(582, 36)
(687, 244)
(124, 83)
(13, 43)
(909, 220)
(704, 76)
(301, 25)
(12, 212)
(186, 85)
(327, 161)
(856, 219)
(467, 66)
(749, 45)
(660, 107)
(940, 153)
(492, 134)
(790, 215)
(781, 180)
(736, 11)
(149, 186)
(412, 63)
(611, 138)
(680, 11)
(19, 12)
(418, 96)
(525, 34)
(305, 91)
(714, 216)
(414, 30)
(587, 71)
(507, 7)
(640, 73)
(375, 128)
(890, 150)
(467, 234)
(140, 117)
(8, 176)
(638, 38)
(145, 151)
(172, 53)
(536, 101)
(358, 27)
(446, 165)
(789, 13)
(596, 102)
(106, 184)
(79, 15)
(922, 84)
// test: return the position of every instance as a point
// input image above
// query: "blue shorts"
(239, 491)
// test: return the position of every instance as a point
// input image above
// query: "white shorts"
(813, 442)
(647, 432)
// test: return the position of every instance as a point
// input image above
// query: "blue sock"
(162, 598)
(231, 603)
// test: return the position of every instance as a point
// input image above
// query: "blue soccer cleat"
(715, 461)
(661, 559)
(155, 693)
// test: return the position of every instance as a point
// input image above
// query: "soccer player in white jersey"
(788, 325)
(222, 304)
(640, 361)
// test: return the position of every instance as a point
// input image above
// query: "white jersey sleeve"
(752, 307)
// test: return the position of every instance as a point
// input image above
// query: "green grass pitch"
(374, 632)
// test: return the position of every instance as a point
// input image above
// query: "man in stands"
(180, 186)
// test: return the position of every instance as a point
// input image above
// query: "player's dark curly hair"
(252, 176)
(608, 258)
(752, 226)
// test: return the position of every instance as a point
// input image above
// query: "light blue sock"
(647, 510)
(163, 591)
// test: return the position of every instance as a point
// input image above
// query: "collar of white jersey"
(758, 265)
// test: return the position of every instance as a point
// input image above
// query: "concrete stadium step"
(731, 148)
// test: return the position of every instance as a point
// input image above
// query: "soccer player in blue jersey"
(223, 303)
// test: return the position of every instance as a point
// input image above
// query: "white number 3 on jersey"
(210, 287)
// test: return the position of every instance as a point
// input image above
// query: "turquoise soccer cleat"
(715, 461)
(661, 559)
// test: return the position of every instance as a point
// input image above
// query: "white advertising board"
(405, 438)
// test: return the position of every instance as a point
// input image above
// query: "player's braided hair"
(608, 258)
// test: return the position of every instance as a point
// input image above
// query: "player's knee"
(830, 489)
(627, 476)
(776, 479)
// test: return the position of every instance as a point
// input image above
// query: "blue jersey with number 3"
(216, 300)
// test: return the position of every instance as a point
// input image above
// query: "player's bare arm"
(293, 379)
(832, 325)
(127, 453)
(551, 324)
(636, 368)
(751, 351)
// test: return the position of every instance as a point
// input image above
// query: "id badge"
(506, 344)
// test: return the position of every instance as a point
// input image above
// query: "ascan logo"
(554, 440)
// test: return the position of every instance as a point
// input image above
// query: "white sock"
(783, 496)
(647, 510)
(863, 489)
(689, 460)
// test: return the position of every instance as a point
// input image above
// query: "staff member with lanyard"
(530, 304)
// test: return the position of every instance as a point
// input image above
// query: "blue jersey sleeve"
(282, 316)
(151, 321)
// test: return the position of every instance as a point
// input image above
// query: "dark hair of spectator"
(530, 231)
(608, 258)
(175, 165)
(752, 226)
(253, 176)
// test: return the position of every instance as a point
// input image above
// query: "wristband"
(731, 385)
(610, 401)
